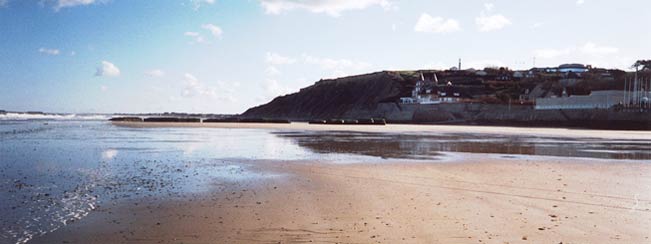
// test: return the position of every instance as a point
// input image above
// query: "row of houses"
(428, 91)
(595, 100)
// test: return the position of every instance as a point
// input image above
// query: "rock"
(172, 119)
(126, 119)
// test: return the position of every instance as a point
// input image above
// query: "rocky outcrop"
(351, 97)
(126, 119)
(172, 119)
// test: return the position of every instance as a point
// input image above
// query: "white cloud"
(580, 2)
(49, 51)
(191, 85)
(196, 4)
(72, 3)
(155, 73)
(487, 22)
(329, 7)
(332, 64)
(551, 53)
(594, 49)
(273, 88)
(277, 59)
(196, 37)
(333, 67)
(272, 71)
(492, 23)
(107, 69)
(429, 24)
(338, 67)
(103, 88)
(537, 25)
(216, 31)
(191, 34)
(489, 6)
(195, 88)
(589, 48)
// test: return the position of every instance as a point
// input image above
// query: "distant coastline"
(567, 96)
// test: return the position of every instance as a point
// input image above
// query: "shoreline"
(409, 128)
(472, 200)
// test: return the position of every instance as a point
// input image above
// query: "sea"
(57, 169)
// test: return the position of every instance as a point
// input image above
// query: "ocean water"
(54, 171)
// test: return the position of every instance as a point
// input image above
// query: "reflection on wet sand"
(428, 146)
(67, 179)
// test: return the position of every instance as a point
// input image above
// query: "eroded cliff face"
(344, 98)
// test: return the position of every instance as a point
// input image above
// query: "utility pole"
(459, 64)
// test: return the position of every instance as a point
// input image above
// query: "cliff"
(337, 98)
(487, 98)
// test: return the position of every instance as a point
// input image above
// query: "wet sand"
(398, 128)
(471, 198)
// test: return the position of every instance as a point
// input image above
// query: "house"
(407, 100)
(433, 94)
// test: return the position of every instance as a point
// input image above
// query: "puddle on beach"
(430, 145)
(56, 172)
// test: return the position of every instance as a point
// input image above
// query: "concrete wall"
(500, 114)
(596, 100)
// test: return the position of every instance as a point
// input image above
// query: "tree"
(642, 64)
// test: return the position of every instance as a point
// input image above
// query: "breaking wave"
(44, 116)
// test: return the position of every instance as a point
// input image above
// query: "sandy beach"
(411, 128)
(473, 198)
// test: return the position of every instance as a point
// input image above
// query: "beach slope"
(469, 199)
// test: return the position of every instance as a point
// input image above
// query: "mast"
(625, 89)
(629, 90)
(648, 92)
(635, 91)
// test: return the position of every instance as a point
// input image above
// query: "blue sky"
(223, 56)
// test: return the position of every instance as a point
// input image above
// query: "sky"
(224, 56)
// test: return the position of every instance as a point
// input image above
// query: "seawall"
(502, 114)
